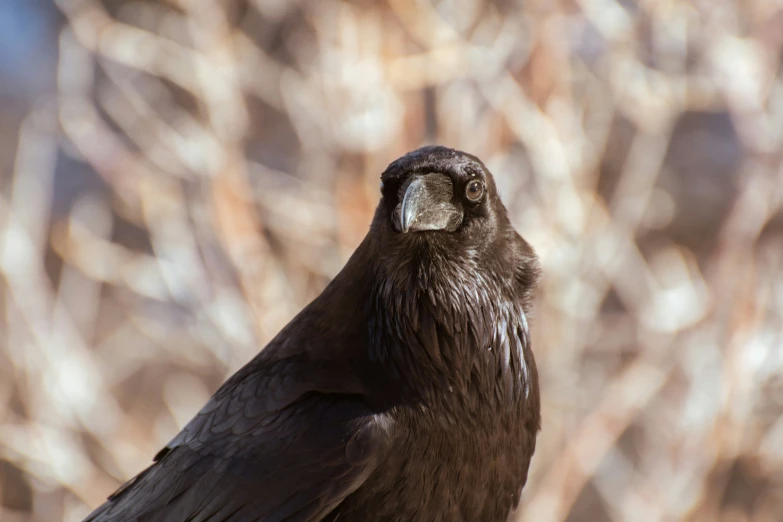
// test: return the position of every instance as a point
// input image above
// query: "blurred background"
(179, 177)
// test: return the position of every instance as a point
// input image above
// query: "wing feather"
(267, 447)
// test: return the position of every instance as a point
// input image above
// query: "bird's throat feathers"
(454, 324)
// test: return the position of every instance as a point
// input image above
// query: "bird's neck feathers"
(455, 327)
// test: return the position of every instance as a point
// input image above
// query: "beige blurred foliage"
(204, 167)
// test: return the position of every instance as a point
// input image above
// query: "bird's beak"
(427, 205)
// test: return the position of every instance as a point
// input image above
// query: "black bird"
(406, 391)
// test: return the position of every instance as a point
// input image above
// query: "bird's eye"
(474, 190)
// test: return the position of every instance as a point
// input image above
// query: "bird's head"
(435, 191)
(440, 212)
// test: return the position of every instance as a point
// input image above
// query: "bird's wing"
(265, 448)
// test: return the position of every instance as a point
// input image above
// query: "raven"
(407, 391)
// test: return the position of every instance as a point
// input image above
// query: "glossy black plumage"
(407, 391)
